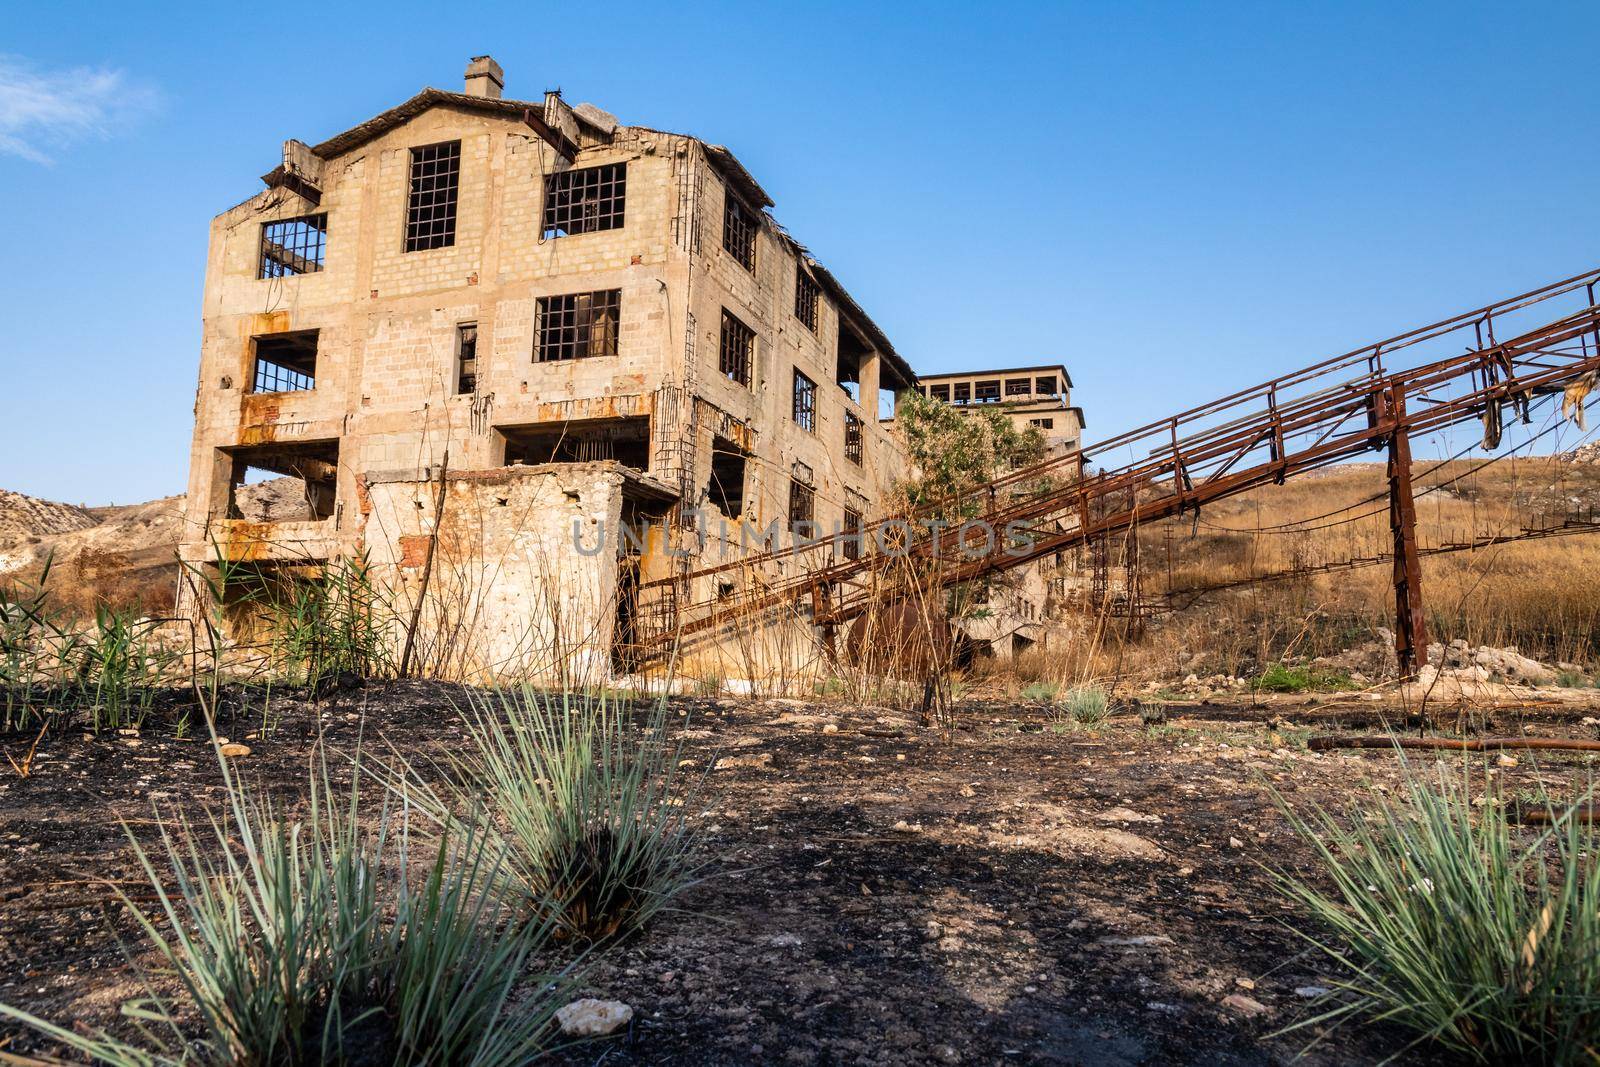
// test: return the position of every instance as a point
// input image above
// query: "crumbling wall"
(524, 573)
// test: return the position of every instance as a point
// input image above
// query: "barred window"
(1018, 387)
(293, 246)
(1047, 386)
(739, 231)
(850, 539)
(805, 402)
(963, 393)
(736, 349)
(852, 437)
(435, 188)
(939, 392)
(467, 358)
(1043, 424)
(802, 504)
(805, 298)
(285, 362)
(578, 325)
(987, 392)
(585, 201)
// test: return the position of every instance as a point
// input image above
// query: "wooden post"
(1410, 621)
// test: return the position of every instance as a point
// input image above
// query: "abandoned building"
(1040, 397)
(587, 326)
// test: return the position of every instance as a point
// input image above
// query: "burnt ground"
(1024, 893)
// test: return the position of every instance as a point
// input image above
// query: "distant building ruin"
(590, 329)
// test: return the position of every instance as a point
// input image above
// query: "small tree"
(955, 454)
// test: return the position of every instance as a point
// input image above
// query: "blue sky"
(1174, 200)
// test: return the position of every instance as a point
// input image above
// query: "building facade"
(1040, 397)
(489, 335)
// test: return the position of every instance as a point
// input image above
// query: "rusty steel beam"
(1410, 621)
(1349, 405)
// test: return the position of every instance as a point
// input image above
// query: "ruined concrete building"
(588, 326)
(1040, 397)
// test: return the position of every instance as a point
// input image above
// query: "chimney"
(485, 78)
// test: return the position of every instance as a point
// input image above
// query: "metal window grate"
(802, 503)
(735, 348)
(585, 201)
(467, 358)
(435, 188)
(739, 231)
(285, 363)
(805, 402)
(805, 298)
(850, 539)
(293, 246)
(852, 437)
(578, 325)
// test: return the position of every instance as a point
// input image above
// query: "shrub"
(1455, 924)
(1087, 705)
(1152, 712)
(590, 809)
(1281, 678)
(298, 941)
(1041, 692)
(1572, 680)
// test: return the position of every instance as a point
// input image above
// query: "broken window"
(585, 201)
(435, 186)
(939, 392)
(283, 482)
(805, 402)
(625, 440)
(725, 489)
(735, 348)
(805, 298)
(1047, 386)
(1018, 387)
(293, 246)
(853, 355)
(961, 393)
(852, 437)
(802, 504)
(986, 392)
(285, 362)
(467, 358)
(739, 231)
(1043, 424)
(578, 325)
(850, 534)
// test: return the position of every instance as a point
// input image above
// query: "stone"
(593, 1018)
(233, 750)
(762, 761)
(1246, 1006)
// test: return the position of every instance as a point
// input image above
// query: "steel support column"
(1410, 622)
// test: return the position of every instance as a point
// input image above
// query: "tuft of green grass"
(590, 809)
(1457, 925)
(311, 940)
(1282, 678)
(1152, 712)
(1087, 705)
(1571, 680)
(1041, 692)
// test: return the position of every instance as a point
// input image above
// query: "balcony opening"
(283, 482)
(285, 362)
(626, 440)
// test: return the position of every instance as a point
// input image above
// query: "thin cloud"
(44, 111)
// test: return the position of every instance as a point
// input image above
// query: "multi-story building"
(490, 335)
(1040, 397)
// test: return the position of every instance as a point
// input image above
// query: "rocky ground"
(1026, 892)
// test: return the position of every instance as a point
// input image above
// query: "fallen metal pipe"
(1484, 744)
